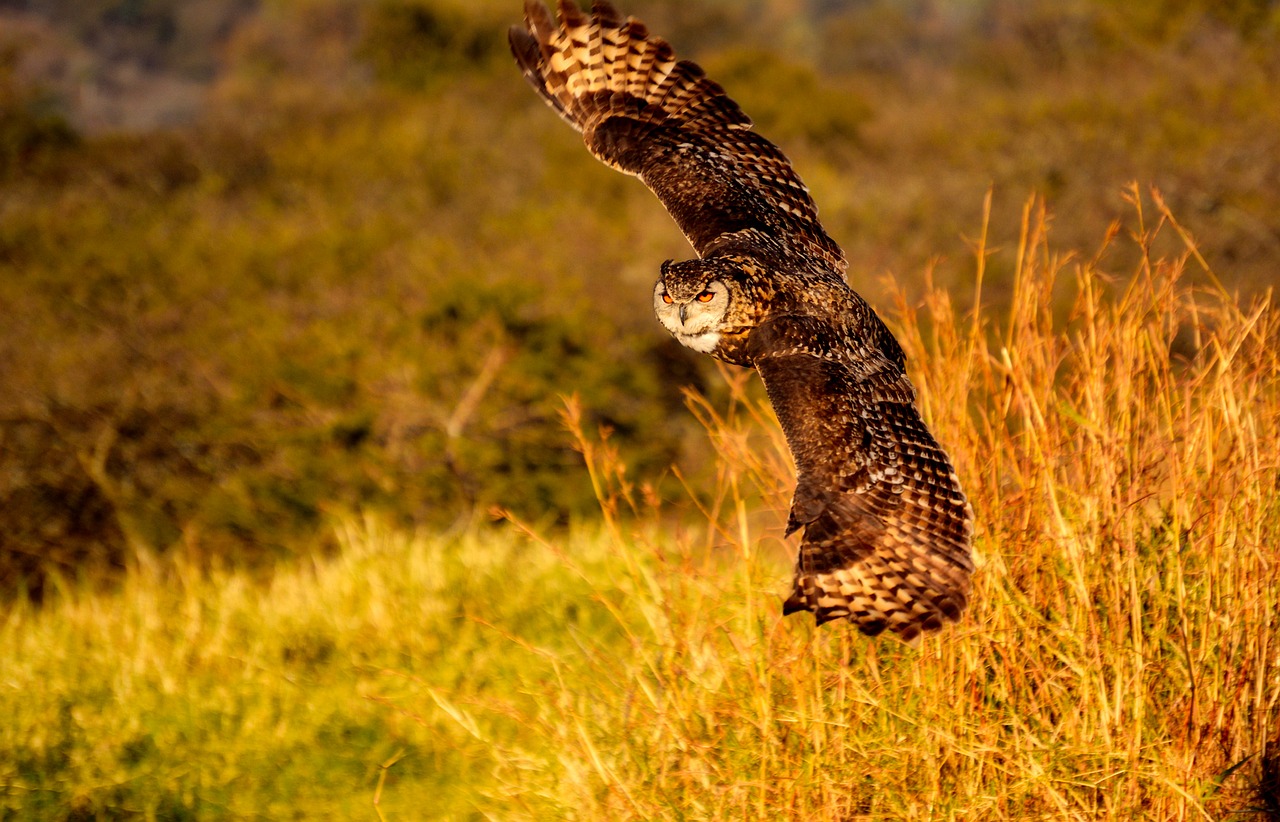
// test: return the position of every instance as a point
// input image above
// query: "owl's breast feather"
(705, 342)
(731, 346)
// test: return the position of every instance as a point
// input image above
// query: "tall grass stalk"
(1119, 658)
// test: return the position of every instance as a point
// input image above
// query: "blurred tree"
(368, 272)
(33, 128)
(412, 43)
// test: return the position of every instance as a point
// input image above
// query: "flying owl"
(887, 529)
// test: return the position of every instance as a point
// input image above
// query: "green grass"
(1118, 660)
(189, 695)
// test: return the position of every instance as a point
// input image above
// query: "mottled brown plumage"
(887, 529)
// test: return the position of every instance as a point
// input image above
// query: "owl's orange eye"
(705, 297)
(666, 298)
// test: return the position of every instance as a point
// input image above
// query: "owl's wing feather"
(886, 526)
(645, 113)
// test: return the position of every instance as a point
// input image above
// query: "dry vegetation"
(1119, 659)
(275, 369)
(363, 277)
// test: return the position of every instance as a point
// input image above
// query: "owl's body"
(886, 527)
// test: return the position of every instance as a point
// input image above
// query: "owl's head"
(692, 299)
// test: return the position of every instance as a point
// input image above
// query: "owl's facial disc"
(692, 312)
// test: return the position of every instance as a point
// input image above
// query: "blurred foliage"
(33, 131)
(370, 271)
(411, 43)
(181, 35)
(815, 111)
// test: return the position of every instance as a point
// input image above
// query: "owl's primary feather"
(887, 529)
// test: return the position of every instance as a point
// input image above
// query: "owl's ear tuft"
(666, 266)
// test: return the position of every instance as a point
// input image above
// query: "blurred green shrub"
(33, 128)
(412, 43)
(368, 275)
(817, 111)
(218, 338)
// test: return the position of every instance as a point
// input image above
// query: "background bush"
(364, 274)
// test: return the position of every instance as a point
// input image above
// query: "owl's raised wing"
(644, 113)
(886, 526)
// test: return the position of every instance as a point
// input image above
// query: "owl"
(886, 528)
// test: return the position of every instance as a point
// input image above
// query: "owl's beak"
(684, 311)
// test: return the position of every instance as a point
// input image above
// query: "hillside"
(1117, 660)
(344, 472)
(359, 272)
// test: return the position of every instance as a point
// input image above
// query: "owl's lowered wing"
(644, 113)
(886, 526)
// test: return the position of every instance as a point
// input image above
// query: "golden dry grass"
(1119, 659)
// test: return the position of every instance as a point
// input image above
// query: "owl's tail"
(896, 579)
(590, 68)
(881, 594)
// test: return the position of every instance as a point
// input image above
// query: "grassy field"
(212, 332)
(1120, 660)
